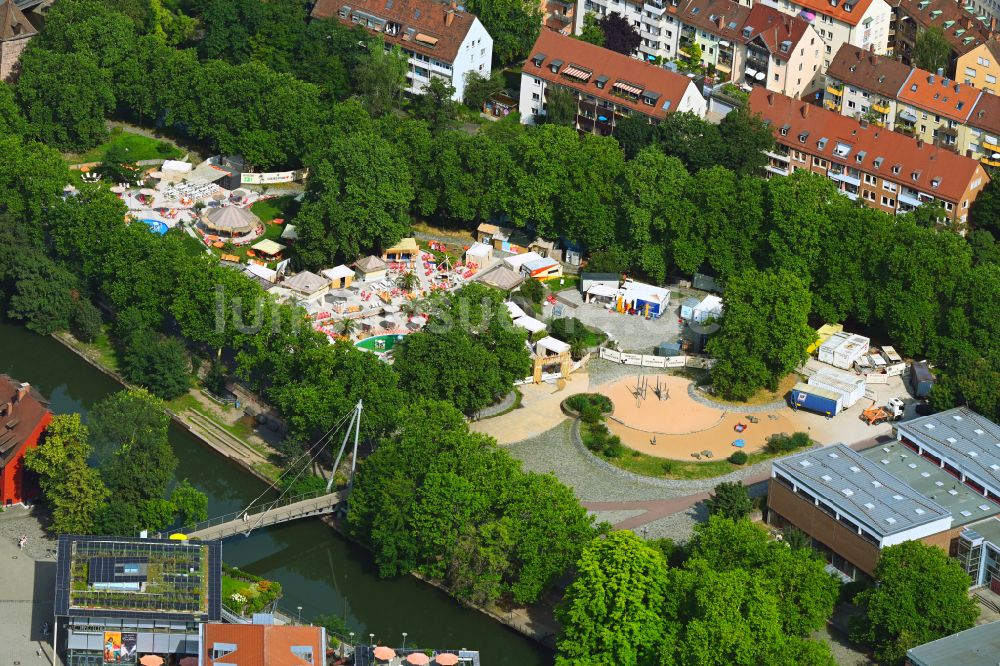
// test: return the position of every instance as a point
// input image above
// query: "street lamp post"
(371, 640)
(403, 649)
(299, 620)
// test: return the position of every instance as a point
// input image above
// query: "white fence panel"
(653, 361)
(631, 359)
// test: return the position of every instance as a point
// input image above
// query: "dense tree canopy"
(764, 334)
(920, 595)
(513, 24)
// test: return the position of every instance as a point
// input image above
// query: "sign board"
(654, 361)
(698, 362)
(631, 359)
(611, 355)
(273, 177)
(674, 361)
(119, 647)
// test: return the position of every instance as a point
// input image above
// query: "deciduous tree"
(513, 24)
(920, 595)
(619, 35)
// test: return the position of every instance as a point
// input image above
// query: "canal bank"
(319, 570)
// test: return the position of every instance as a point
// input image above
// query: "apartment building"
(15, 33)
(915, 102)
(655, 20)
(439, 40)
(784, 53)
(884, 170)
(863, 23)
(963, 29)
(980, 67)
(939, 483)
(608, 86)
(559, 15)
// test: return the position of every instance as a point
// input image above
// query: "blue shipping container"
(815, 399)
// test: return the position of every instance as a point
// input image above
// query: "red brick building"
(24, 415)
(262, 645)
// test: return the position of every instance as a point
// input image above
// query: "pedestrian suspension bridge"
(260, 513)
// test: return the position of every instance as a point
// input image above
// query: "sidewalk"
(27, 589)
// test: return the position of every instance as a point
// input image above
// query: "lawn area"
(666, 468)
(267, 210)
(763, 396)
(139, 148)
(563, 283)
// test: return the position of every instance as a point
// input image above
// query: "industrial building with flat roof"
(938, 489)
(978, 646)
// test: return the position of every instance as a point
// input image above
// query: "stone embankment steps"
(207, 428)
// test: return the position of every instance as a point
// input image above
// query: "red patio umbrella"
(189, 661)
(418, 659)
(444, 659)
(384, 653)
(151, 660)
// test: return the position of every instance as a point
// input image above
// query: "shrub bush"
(779, 444)
(738, 458)
(579, 402)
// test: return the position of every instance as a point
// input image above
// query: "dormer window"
(786, 46)
(803, 136)
(915, 175)
(649, 97)
(538, 59)
(601, 82)
(896, 169)
(344, 11)
(555, 65)
(878, 162)
(935, 182)
(860, 157)
(821, 144)
(784, 129)
(848, 7)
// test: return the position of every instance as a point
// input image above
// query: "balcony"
(830, 104)
(776, 156)
(654, 8)
(881, 107)
(844, 178)
(909, 199)
(776, 170)
(989, 147)
(836, 91)
(989, 161)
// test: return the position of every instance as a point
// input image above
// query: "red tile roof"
(840, 12)
(20, 417)
(962, 30)
(13, 24)
(724, 18)
(774, 28)
(939, 95)
(986, 114)
(858, 67)
(428, 18)
(595, 63)
(263, 644)
(873, 144)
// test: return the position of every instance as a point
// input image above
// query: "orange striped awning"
(628, 87)
(577, 73)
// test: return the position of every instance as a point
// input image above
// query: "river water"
(317, 568)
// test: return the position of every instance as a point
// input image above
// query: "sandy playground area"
(679, 426)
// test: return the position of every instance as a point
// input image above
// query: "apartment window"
(819, 162)
(888, 202)
(851, 104)
(970, 72)
(990, 78)
(220, 650)
(889, 187)
(870, 179)
(867, 195)
(828, 52)
(535, 96)
(983, 61)
(965, 204)
(948, 206)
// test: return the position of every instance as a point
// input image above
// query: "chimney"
(864, 123)
(920, 143)
(770, 99)
(993, 26)
(449, 16)
(968, 152)
(7, 409)
(805, 110)
(22, 391)
(958, 87)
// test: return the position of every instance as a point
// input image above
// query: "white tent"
(177, 165)
(549, 345)
(515, 310)
(530, 324)
(518, 260)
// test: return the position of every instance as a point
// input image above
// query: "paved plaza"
(27, 588)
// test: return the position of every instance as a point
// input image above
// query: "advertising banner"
(119, 647)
